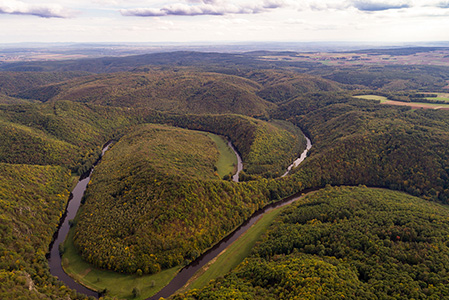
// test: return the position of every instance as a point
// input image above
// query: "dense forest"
(156, 201)
(158, 184)
(32, 199)
(345, 243)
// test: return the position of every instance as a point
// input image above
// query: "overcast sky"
(223, 20)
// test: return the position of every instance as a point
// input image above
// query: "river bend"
(54, 258)
(188, 271)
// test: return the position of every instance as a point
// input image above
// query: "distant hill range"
(182, 90)
(128, 63)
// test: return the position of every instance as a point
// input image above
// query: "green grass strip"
(373, 97)
(117, 284)
(233, 255)
(438, 99)
(227, 161)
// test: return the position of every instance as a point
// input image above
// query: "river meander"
(188, 271)
(54, 258)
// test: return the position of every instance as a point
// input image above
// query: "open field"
(382, 99)
(414, 105)
(437, 57)
(440, 97)
(227, 161)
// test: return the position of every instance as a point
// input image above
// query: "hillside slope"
(280, 86)
(345, 243)
(360, 142)
(32, 200)
(63, 133)
(153, 202)
(181, 92)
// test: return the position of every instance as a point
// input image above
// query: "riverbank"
(227, 160)
(54, 257)
(122, 285)
(116, 284)
(233, 255)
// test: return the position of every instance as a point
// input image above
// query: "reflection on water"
(300, 158)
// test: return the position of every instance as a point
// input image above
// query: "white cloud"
(13, 7)
(206, 7)
(243, 20)
(379, 5)
(443, 4)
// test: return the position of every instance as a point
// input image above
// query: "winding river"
(235, 177)
(54, 259)
(188, 271)
(301, 158)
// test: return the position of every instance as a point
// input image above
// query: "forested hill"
(345, 243)
(193, 92)
(12, 83)
(386, 73)
(184, 90)
(157, 194)
(227, 61)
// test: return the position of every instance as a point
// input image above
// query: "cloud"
(321, 5)
(44, 11)
(372, 5)
(443, 4)
(205, 7)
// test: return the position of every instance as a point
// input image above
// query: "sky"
(223, 21)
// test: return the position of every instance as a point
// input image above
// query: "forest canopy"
(155, 201)
(345, 242)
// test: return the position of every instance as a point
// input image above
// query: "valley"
(165, 191)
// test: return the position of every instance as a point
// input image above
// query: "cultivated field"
(414, 105)
(435, 58)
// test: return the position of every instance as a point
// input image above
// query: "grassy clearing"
(438, 99)
(233, 255)
(382, 99)
(117, 285)
(227, 161)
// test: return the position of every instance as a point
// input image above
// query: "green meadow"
(233, 255)
(227, 161)
(382, 99)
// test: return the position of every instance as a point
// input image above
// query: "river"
(54, 259)
(235, 177)
(301, 158)
(188, 271)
